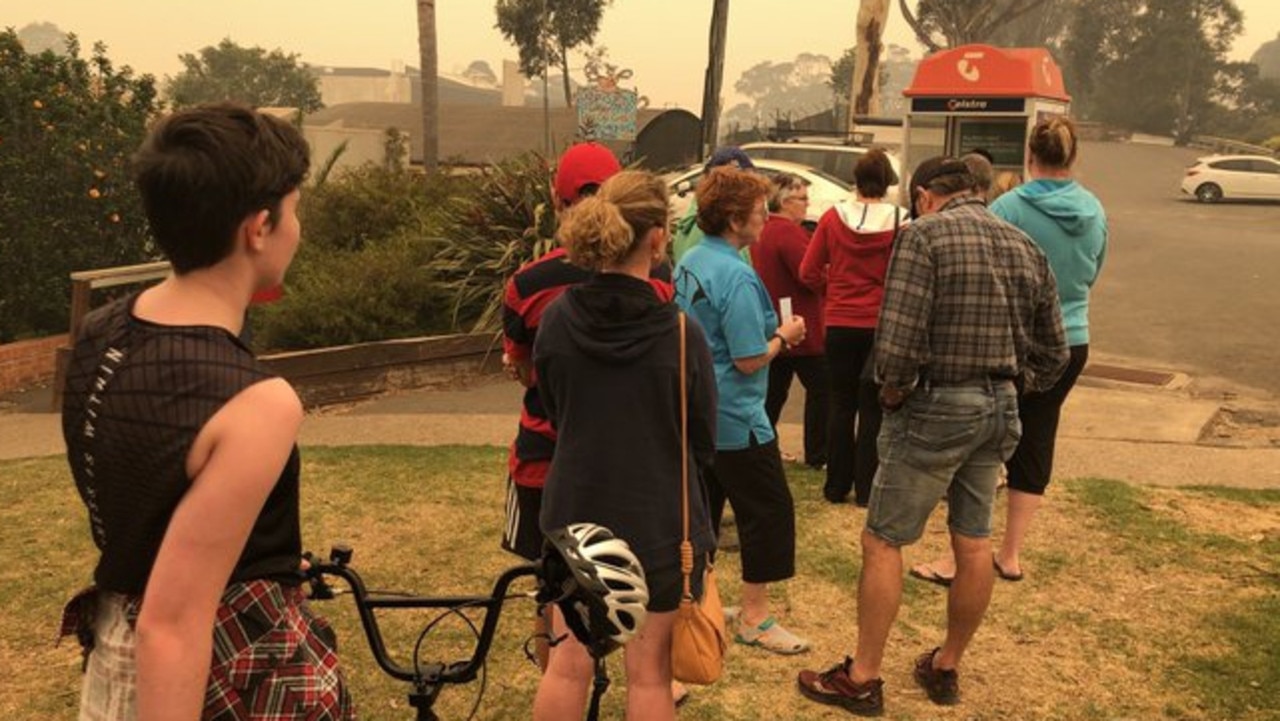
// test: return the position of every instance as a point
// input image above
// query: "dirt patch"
(1207, 515)
(1243, 428)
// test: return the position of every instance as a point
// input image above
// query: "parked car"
(1215, 177)
(824, 190)
(831, 158)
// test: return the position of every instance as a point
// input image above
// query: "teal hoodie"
(1069, 225)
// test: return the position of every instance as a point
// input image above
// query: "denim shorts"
(943, 440)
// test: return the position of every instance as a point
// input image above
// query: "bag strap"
(686, 548)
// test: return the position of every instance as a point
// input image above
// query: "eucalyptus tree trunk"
(430, 85)
(864, 92)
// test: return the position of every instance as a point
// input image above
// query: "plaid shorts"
(273, 660)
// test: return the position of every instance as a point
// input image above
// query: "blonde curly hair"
(603, 230)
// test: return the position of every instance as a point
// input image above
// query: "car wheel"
(1209, 193)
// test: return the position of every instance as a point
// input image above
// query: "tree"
(1096, 37)
(1161, 66)
(1267, 58)
(68, 127)
(776, 89)
(942, 24)
(430, 85)
(1046, 27)
(897, 67)
(251, 76)
(39, 37)
(479, 71)
(546, 30)
(864, 95)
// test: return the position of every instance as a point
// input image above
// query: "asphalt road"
(1187, 286)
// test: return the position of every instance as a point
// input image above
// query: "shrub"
(363, 206)
(392, 254)
(338, 297)
(362, 273)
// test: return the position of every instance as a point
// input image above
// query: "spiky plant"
(503, 218)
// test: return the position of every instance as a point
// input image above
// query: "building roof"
(470, 134)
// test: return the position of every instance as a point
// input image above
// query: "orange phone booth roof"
(986, 71)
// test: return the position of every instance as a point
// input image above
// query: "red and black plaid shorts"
(273, 660)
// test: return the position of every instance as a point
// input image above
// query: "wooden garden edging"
(328, 376)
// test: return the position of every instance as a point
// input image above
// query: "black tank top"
(136, 396)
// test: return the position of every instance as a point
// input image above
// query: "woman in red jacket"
(776, 257)
(846, 262)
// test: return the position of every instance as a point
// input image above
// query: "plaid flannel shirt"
(968, 297)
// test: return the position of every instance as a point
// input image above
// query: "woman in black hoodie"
(607, 359)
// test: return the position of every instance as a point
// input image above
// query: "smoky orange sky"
(663, 41)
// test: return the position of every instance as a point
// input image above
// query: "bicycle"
(568, 575)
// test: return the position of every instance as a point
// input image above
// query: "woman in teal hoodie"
(1067, 222)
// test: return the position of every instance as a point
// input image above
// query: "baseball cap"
(582, 165)
(729, 155)
(930, 170)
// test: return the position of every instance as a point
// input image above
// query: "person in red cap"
(579, 174)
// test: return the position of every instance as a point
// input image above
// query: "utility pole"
(715, 77)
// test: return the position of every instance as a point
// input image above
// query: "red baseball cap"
(582, 165)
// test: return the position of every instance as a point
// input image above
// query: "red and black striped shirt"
(528, 294)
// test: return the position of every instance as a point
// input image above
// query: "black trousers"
(812, 371)
(852, 457)
(753, 480)
(1031, 465)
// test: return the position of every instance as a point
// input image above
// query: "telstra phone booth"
(978, 96)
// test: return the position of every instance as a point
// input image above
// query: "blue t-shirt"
(726, 297)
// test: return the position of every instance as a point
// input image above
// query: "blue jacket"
(1069, 225)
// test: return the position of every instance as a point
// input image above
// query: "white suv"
(1216, 177)
(832, 159)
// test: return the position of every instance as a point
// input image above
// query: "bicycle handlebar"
(429, 675)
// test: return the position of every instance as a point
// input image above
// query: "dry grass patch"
(1137, 605)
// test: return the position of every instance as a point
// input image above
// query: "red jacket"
(776, 257)
(848, 258)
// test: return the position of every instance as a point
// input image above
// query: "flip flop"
(679, 693)
(771, 636)
(927, 573)
(1001, 572)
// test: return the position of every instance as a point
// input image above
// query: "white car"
(824, 190)
(831, 158)
(1216, 177)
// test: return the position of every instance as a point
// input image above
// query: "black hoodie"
(607, 359)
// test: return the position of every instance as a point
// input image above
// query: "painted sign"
(606, 114)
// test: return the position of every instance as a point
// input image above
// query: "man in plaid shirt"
(970, 315)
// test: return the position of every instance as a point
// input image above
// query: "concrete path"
(1109, 430)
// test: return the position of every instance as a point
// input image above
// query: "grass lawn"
(1139, 603)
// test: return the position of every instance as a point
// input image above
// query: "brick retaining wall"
(28, 361)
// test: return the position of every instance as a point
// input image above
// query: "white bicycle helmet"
(598, 583)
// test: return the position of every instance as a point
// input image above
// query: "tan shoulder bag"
(698, 640)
